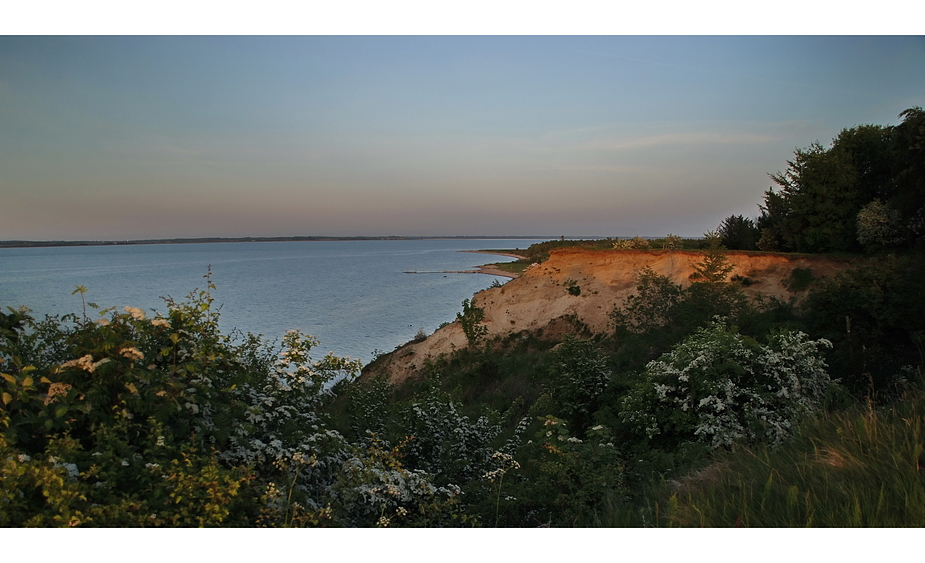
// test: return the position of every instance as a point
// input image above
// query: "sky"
(153, 136)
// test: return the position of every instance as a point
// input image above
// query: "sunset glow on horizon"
(139, 137)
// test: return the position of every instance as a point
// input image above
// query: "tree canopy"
(819, 196)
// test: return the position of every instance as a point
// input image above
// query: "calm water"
(352, 295)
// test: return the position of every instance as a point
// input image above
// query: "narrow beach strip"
(492, 269)
(488, 269)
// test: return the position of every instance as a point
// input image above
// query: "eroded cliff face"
(539, 300)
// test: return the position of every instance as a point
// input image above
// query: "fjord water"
(354, 296)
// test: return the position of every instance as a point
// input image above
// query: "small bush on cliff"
(635, 243)
(652, 306)
(715, 266)
(800, 279)
(471, 321)
(672, 242)
(662, 312)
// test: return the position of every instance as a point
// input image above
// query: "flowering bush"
(720, 387)
(879, 226)
(141, 420)
(446, 443)
(672, 242)
(635, 243)
(564, 479)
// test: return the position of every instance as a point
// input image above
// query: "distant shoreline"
(208, 240)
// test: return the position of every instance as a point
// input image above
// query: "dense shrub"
(720, 387)
(579, 376)
(874, 315)
(672, 242)
(635, 243)
(879, 226)
(137, 421)
(663, 312)
(566, 480)
(447, 443)
(739, 233)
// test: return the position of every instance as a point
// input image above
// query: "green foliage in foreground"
(131, 421)
(859, 467)
(136, 421)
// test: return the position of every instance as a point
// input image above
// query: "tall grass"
(862, 467)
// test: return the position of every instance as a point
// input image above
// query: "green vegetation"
(516, 268)
(858, 467)
(132, 421)
(826, 195)
(864, 193)
(471, 321)
(739, 233)
(700, 407)
(572, 287)
(539, 252)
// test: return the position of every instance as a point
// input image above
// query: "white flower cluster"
(71, 468)
(445, 440)
(85, 363)
(722, 387)
(136, 313)
(373, 487)
(56, 389)
(505, 463)
(132, 353)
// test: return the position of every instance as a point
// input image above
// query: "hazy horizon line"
(15, 243)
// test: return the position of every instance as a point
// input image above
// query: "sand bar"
(492, 269)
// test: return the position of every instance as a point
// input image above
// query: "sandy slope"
(538, 300)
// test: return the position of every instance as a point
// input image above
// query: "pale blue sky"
(162, 137)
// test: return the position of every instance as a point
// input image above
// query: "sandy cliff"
(539, 301)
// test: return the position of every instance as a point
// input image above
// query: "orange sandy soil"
(539, 301)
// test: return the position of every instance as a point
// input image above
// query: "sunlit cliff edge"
(539, 300)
